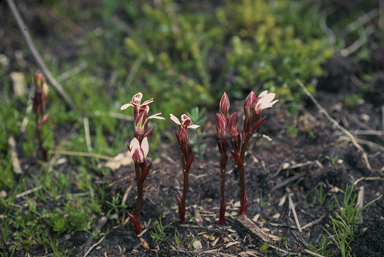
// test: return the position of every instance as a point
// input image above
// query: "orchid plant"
(186, 157)
(253, 109)
(139, 148)
(39, 105)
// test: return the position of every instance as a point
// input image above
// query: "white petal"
(174, 119)
(145, 146)
(184, 117)
(193, 126)
(134, 144)
(148, 102)
(156, 116)
(125, 106)
(263, 93)
(136, 99)
(265, 102)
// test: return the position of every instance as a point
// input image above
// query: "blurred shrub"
(189, 50)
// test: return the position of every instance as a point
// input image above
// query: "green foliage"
(239, 44)
(319, 196)
(158, 232)
(198, 118)
(343, 222)
(292, 129)
(264, 248)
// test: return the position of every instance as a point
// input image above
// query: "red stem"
(223, 164)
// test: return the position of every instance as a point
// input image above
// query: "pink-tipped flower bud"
(224, 105)
(39, 81)
(234, 132)
(221, 125)
(248, 105)
(183, 141)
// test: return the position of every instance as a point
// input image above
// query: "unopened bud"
(221, 124)
(224, 105)
(248, 105)
(39, 81)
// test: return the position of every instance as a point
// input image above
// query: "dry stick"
(359, 148)
(36, 55)
(360, 203)
(82, 154)
(93, 246)
(294, 212)
(312, 253)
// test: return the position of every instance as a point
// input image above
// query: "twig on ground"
(28, 192)
(286, 182)
(360, 203)
(87, 134)
(314, 254)
(360, 21)
(177, 249)
(358, 43)
(359, 148)
(93, 246)
(23, 28)
(82, 154)
(366, 142)
(367, 178)
(310, 224)
(292, 207)
(15, 159)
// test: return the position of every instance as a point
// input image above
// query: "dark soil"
(321, 155)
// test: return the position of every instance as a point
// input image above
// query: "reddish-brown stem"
(223, 164)
(135, 222)
(241, 171)
(140, 188)
(38, 131)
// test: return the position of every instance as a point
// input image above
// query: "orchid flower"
(264, 101)
(139, 148)
(136, 103)
(185, 121)
(186, 157)
(139, 151)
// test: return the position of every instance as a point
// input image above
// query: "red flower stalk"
(221, 123)
(253, 108)
(139, 148)
(186, 157)
(39, 104)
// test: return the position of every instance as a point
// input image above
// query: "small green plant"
(321, 249)
(178, 242)
(292, 129)
(343, 222)
(264, 248)
(319, 196)
(335, 158)
(158, 232)
(264, 204)
(197, 116)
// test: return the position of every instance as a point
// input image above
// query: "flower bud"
(45, 90)
(234, 132)
(221, 125)
(248, 105)
(39, 81)
(139, 151)
(224, 105)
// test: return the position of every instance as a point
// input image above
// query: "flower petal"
(156, 116)
(125, 106)
(136, 99)
(263, 93)
(147, 102)
(185, 120)
(134, 144)
(174, 119)
(193, 126)
(145, 146)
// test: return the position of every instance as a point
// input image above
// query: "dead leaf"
(231, 243)
(197, 245)
(145, 244)
(119, 160)
(198, 218)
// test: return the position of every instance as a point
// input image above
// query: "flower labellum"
(139, 152)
